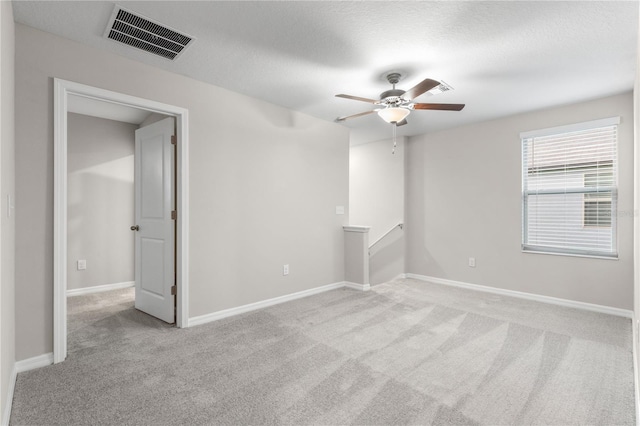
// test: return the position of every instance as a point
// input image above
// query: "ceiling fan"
(396, 104)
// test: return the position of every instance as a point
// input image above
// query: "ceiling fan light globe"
(393, 114)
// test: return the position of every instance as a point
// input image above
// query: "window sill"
(591, 256)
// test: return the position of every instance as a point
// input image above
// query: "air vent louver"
(142, 33)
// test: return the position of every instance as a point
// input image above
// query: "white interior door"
(154, 226)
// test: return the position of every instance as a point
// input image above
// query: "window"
(597, 206)
(569, 189)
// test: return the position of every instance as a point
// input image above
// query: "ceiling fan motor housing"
(392, 97)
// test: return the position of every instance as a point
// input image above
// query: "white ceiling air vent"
(142, 33)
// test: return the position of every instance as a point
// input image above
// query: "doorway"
(113, 156)
(64, 91)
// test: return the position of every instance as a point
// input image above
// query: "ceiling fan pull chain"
(395, 125)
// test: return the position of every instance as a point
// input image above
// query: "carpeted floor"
(406, 352)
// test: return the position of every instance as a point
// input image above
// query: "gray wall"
(100, 201)
(7, 188)
(264, 184)
(464, 200)
(376, 199)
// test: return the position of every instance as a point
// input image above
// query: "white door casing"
(62, 90)
(154, 226)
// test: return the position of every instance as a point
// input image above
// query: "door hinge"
(174, 140)
(174, 290)
(174, 214)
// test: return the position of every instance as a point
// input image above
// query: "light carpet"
(406, 352)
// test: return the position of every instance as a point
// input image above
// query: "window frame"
(525, 194)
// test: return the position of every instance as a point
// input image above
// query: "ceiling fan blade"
(402, 123)
(420, 88)
(357, 98)
(441, 107)
(354, 115)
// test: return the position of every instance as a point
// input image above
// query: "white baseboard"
(21, 367)
(355, 286)
(99, 288)
(6, 416)
(35, 362)
(529, 296)
(214, 316)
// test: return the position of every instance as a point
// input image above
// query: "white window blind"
(569, 189)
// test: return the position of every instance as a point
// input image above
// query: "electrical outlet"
(285, 270)
(82, 265)
(339, 209)
(472, 262)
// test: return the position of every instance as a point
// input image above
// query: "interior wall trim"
(356, 286)
(636, 386)
(636, 380)
(35, 362)
(528, 296)
(215, 316)
(99, 288)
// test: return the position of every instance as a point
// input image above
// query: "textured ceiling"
(501, 57)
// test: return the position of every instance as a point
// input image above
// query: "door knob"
(135, 228)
